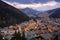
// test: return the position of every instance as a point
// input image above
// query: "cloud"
(36, 6)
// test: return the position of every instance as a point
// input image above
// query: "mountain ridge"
(30, 11)
(10, 15)
(55, 14)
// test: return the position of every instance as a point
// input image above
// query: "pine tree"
(1, 37)
(23, 36)
(17, 36)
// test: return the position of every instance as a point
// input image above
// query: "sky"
(40, 5)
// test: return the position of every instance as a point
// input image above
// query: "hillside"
(10, 15)
(55, 14)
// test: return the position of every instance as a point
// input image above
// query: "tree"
(17, 36)
(23, 36)
(1, 37)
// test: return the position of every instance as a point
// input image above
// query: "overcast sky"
(35, 4)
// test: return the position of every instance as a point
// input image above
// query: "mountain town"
(17, 25)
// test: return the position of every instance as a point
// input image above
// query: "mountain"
(55, 13)
(10, 15)
(30, 11)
